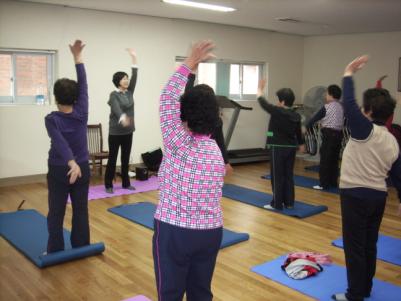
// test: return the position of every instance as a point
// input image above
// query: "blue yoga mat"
(331, 280)
(314, 168)
(26, 230)
(142, 213)
(388, 248)
(259, 199)
(307, 183)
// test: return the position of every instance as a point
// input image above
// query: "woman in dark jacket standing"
(121, 124)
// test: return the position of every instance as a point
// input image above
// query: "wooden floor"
(126, 267)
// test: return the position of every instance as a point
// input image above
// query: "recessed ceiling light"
(201, 5)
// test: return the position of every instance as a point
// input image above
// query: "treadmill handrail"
(226, 103)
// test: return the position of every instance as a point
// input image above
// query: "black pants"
(115, 141)
(361, 220)
(59, 189)
(282, 176)
(329, 156)
(184, 261)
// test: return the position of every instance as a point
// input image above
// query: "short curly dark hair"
(117, 77)
(200, 110)
(286, 95)
(380, 103)
(65, 91)
(334, 91)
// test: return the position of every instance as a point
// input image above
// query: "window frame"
(14, 99)
(241, 96)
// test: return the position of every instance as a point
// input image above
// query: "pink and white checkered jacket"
(192, 171)
(323, 259)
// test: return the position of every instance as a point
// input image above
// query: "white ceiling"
(318, 17)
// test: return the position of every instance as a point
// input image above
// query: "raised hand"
(356, 65)
(200, 51)
(382, 77)
(261, 87)
(132, 53)
(76, 50)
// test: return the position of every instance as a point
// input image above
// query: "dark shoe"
(130, 187)
(110, 190)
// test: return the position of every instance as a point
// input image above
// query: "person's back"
(68, 166)
(283, 124)
(334, 118)
(331, 117)
(191, 179)
(73, 127)
(284, 136)
(188, 220)
(370, 155)
(367, 163)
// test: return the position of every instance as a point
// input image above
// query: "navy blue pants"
(184, 261)
(59, 189)
(361, 219)
(282, 176)
(329, 156)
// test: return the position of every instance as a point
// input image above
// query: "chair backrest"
(95, 138)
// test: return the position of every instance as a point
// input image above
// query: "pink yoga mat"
(138, 298)
(99, 192)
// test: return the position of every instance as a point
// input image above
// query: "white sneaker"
(318, 187)
(268, 206)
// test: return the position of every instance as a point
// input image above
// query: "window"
(26, 77)
(236, 80)
(207, 74)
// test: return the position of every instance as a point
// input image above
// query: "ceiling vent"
(288, 20)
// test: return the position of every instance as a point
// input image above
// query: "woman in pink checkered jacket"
(188, 220)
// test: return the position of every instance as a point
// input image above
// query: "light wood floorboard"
(126, 267)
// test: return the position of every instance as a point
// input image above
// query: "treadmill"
(247, 155)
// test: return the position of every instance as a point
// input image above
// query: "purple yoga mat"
(99, 192)
(138, 298)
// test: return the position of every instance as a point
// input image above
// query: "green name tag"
(269, 134)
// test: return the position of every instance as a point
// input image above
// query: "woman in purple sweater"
(68, 157)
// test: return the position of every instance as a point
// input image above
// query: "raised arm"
(134, 71)
(173, 131)
(269, 108)
(191, 82)
(359, 125)
(81, 106)
(218, 136)
(380, 81)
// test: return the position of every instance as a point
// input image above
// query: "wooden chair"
(95, 146)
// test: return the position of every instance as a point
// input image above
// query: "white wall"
(325, 58)
(23, 140)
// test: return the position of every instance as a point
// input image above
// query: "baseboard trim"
(12, 181)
